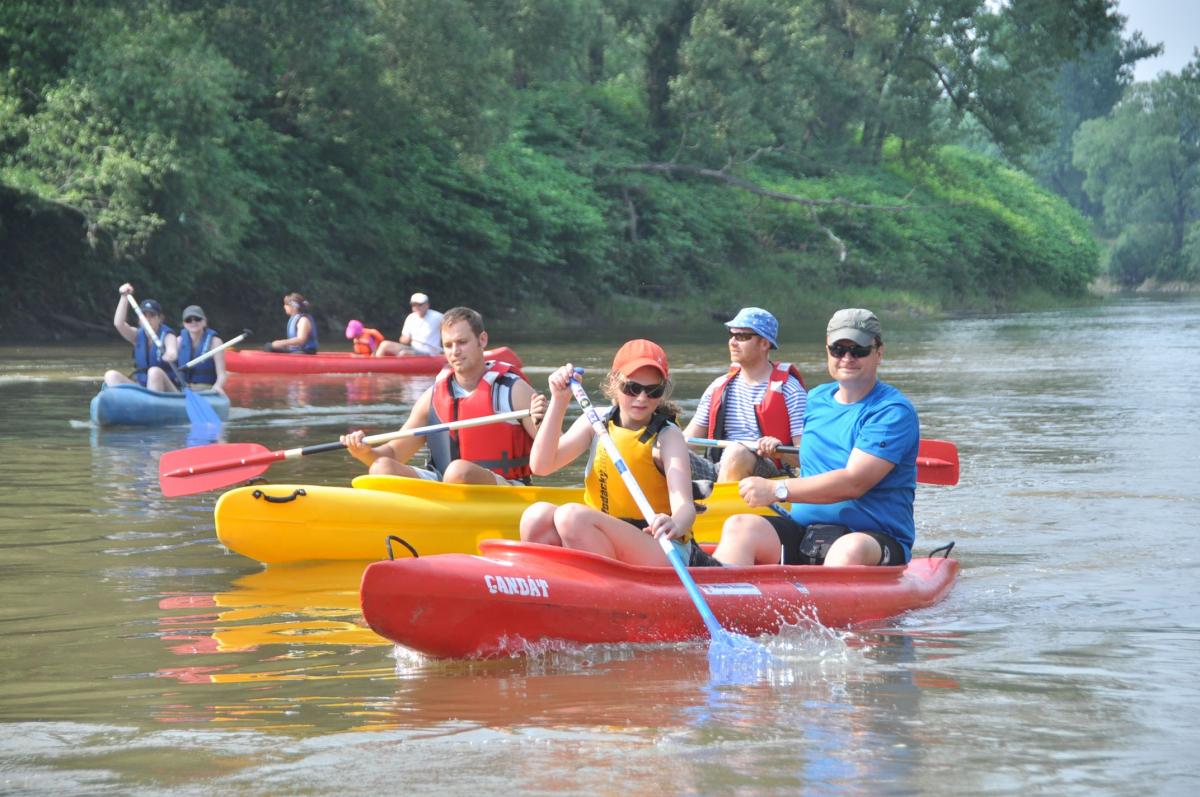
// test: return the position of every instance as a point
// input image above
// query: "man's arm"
(524, 397)
(862, 472)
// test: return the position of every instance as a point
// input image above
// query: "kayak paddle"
(937, 460)
(234, 341)
(726, 647)
(198, 410)
(186, 471)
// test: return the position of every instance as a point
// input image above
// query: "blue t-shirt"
(884, 424)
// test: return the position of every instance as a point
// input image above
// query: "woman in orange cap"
(642, 425)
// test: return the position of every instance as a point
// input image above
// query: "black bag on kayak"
(817, 539)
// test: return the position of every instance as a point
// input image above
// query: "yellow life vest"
(604, 489)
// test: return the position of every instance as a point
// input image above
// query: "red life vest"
(771, 412)
(500, 447)
(368, 341)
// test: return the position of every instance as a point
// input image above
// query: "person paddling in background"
(148, 362)
(421, 333)
(853, 502)
(198, 339)
(641, 424)
(365, 339)
(757, 402)
(301, 329)
(468, 387)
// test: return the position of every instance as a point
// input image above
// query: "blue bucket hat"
(759, 320)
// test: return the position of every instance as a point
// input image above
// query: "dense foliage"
(1143, 168)
(518, 153)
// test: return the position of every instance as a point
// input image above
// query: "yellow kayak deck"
(278, 523)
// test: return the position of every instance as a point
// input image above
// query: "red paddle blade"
(937, 462)
(221, 465)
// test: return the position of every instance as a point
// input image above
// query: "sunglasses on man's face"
(838, 351)
(631, 388)
(742, 337)
(192, 320)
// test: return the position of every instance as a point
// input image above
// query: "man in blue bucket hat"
(757, 402)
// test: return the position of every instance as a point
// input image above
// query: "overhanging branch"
(746, 185)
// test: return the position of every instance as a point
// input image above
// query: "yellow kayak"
(276, 523)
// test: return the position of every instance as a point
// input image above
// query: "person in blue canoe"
(301, 328)
(853, 501)
(150, 370)
(196, 340)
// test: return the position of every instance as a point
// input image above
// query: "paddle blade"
(937, 462)
(200, 411)
(222, 463)
(736, 659)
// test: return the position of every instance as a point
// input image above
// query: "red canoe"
(518, 594)
(268, 362)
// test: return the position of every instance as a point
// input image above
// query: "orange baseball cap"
(637, 353)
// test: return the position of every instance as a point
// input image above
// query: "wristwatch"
(781, 491)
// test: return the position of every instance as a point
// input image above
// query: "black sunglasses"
(192, 319)
(857, 352)
(742, 337)
(631, 388)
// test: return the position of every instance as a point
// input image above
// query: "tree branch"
(746, 185)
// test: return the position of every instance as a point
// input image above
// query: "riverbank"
(637, 314)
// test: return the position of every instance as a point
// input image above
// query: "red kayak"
(273, 362)
(519, 594)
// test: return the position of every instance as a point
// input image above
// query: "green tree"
(1086, 88)
(1142, 163)
(137, 133)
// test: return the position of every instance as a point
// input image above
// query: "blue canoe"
(134, 405)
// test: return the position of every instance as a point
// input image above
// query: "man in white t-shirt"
(421, 333)
(758, 402)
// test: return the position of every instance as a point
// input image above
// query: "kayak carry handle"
(278, 499)
(411, 549)
(944, 551)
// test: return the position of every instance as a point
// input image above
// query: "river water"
(139, 657)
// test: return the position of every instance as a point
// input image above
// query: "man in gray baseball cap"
(853, 502)
(860, 326)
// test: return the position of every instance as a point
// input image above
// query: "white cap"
(419, 298)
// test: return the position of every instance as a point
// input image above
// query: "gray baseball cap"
(193, 310)
(856, 324)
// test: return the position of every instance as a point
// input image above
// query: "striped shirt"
(740, 399)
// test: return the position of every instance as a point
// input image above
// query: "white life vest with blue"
(146, 355)
(309, 346)
(204, 373)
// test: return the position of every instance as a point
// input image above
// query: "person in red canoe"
(468, 387)
(642, 425)
(421, 333)
(365, 339)
(301, 328)
(148, 362)
(853, 501)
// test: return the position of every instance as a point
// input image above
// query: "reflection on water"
(310, 390)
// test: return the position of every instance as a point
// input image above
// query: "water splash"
(734, 659)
